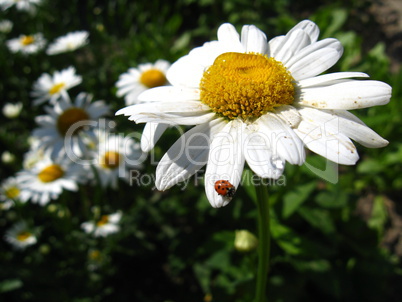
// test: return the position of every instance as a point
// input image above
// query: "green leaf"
(9, 285)
(332, 199)
(318, 218)
(379, 215)
(294, 199)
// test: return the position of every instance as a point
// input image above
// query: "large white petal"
(192, 118)
(225, 161)
(229, 38)
(346, 95)
(347, 124)
(151, 134)
(309, 27)
(186, 72)
(326, 140)
(292, 43)
(169, 94)
(253, 39)
(329, 79)
(315, 59)
(187, 155)
(283, 142)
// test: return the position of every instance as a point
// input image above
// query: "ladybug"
(225, 188)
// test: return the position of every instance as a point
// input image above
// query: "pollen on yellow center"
(26, 40)
(56, 88)
(103, 220)
(111, 160)
(246, 85)
(12, 192)
(51, 173)
(69, 117)
(153, 78)
(22, 236)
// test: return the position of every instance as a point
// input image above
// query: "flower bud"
(245, 241)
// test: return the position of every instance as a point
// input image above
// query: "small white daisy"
(51, 87)
(11, 110)
(7, 157)
(20, 236)
(68, 42)
(259, 102)
(47, 179)
(114, 157)
(27, 44)
(23, 5)
(106, 225)
(137, 80)
(6, 26)
(64, 128)
(10, 192)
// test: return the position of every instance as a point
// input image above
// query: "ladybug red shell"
(225, 188)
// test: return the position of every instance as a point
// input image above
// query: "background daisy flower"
(67, 124)
(114, 157)
(23, 5)
(10, 191)
(106, 225)
(11, 110)
(51, 87)
(20, 236)
(68, 42)
(259, 102)
(137, 80)
(6, 26)
(27, 44)
(47, 179)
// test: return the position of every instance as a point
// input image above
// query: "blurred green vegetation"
(331, 242)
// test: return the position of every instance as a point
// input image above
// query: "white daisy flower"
(11, 110)
(259, 102)
(47, 179)
(27, 44)
(6, 26)
(106, 225)
(20, 236)
(114, 158)
(7, 157)
(64, 128)
(68, 42)
(136, 80)
(23, 5)
(10, 191)
(35, 154)
(51, 87)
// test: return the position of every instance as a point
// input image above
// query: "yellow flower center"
(26, 40)
(23, 236)
(153, 78)
(56, 88)
(246, 86)
(95, 255)
(69, 117)
(103, 220)
(12, 192)
(111, 160)
(51, 173)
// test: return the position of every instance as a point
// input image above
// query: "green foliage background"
(331, 242)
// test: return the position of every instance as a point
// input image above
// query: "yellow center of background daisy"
(69, 117)
(51, 173)
(153, 78)
(246, 86)
(26, 40)
(104, 219)
(56, 88)
(23, 236)
(111, 160)
(12, 192)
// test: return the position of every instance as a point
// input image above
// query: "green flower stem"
(264, 243)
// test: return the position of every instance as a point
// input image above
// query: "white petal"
(345, 122)
(329, 79)
(274, 45)
(283, 142)
(325, 140)
(225, 161)
(346, 95)
(169, 94)
(151, 134)
(253, 39)
(315, 59)
(289, 114)
(292, 43)
(190, 118)
(229, 37)
(187, 155)
(309, 28)
(164, 108)
(185, 72)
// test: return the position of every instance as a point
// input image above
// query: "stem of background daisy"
(264, 241)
